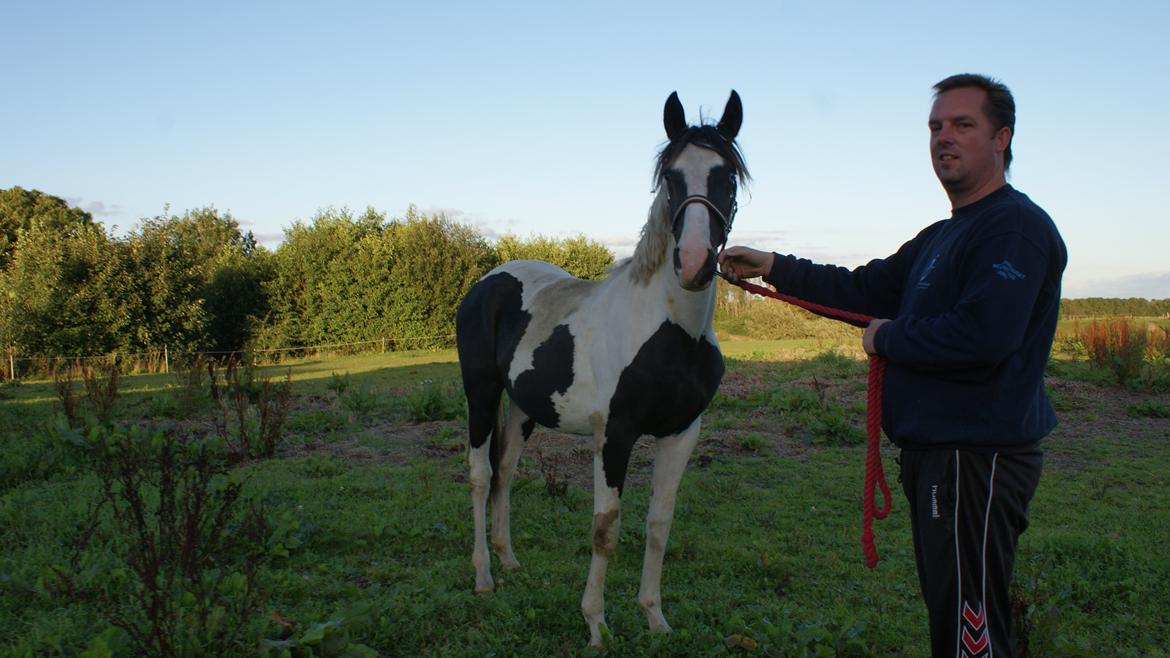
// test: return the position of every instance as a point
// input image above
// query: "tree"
(22, 210)
(199, 281)
(578, 256)
(66, 294)
(431, 262)
(317, 281)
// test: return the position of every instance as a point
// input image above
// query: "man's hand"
(870, 332)
(744, 262)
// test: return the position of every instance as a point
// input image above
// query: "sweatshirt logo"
(923, 284)
(1006, 270)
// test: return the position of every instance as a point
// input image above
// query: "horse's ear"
(673, 117)
(732, 117)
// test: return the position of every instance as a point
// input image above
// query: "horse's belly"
(573, 408)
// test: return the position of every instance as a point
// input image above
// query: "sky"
(543, 118)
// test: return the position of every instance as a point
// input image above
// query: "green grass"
(764, 547)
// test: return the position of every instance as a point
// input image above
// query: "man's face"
(965, 149)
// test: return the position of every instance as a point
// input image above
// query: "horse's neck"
(693, 311)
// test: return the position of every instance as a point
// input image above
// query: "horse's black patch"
(664, 389)
(551, 372)
(488, 327)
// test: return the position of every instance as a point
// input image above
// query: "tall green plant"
(191, 549)
(1118, 345)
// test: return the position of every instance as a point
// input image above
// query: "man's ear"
(1003, 139)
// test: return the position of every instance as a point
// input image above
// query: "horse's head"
(701, 167)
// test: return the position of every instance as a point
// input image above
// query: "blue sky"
(544, 117)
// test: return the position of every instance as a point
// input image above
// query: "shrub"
(431, 400)
(360, 401)
(101, 390)
(1136, 354)
(192, 553)
(1149, 409)
(191, 393)
(550, 466)
(809, 407)
(1114, 344)
(339, 384)
(753, 442)
(740, 312)
(256, 405)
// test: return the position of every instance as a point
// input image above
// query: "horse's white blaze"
(694, 244)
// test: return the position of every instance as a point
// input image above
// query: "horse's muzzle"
(697, 278)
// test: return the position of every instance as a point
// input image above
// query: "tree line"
(1098, 307)
(197, 282)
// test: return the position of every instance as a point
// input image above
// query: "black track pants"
(967, 510)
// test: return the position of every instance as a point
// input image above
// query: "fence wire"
(14, 367)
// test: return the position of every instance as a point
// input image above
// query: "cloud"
(270, 240)
(98, 209)
(489, 227)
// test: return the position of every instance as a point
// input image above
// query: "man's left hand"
(870, 332)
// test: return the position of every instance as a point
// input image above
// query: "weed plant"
(431, 400)
(191, 551)
(100, 383)
(1136, 353)
(1149, 409)
(360, 401)
(250, 410)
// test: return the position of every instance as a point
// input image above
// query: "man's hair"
(1000, 107)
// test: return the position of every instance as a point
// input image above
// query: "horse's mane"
(708, 137)
(651, 250)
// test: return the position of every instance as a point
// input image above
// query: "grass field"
(371, 540)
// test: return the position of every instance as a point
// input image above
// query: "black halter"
(725, 220)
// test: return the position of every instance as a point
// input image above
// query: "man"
(968, 310)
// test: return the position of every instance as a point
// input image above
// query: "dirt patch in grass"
(1087, 413)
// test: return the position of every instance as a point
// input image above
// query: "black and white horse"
(617, 359)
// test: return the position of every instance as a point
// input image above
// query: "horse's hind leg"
(670, 458)
(483, 420)
(517, 428)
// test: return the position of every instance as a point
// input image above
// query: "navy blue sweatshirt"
(974, 301)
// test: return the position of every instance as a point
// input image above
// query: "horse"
(631, 355)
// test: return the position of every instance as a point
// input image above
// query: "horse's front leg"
(607, 508)
(670, 459)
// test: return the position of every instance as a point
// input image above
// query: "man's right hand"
(744, 262)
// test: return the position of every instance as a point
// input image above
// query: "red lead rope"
(874, 474)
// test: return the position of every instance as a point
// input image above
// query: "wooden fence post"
(166, 360)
